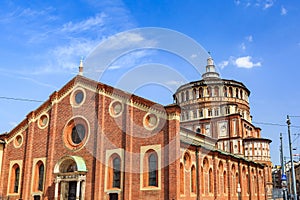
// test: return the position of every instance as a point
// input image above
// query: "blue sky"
(256, 42)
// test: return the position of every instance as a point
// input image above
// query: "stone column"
(78, 190)
(56, 189)
(82, 190)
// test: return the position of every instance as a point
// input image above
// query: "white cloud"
(241, 62)
(90, 23)
(243, 46)
(283, 11)
(223, 64)
(245, 62)
(249, 38)
(237, 2)
(268, 4)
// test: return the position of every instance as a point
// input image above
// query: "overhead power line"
(20, 99)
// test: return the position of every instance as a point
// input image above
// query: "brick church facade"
(92, 141)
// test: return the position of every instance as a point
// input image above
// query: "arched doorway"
(70, 178)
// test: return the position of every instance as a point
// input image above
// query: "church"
(92, 141)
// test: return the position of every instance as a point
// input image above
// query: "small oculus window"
(18, 141)
(150, 121)
(43, 121)
(115, 108)
(77, 97)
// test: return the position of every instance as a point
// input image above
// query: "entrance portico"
(70, 178)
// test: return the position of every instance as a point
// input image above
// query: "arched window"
(237, 93)
(152, 166)
(225, 182)
(216, 91)
(182, 97)
(211, 181)
(209, 93)
(248, 186)
(230, 92)
(236, 181)
(15, 179)
(201, 113)
(225, 92)
(187, 95)
(202, 181)
(200, 92)
(220, 177)
(181, 179)
(116, 172)
(40, 170)
(193, 179)
(194, 94)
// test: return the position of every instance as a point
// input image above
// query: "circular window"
(43, 121)
(18, 141)
(78, 134)
(150, 121)
(115, 108)
(77, 97)
(75, 133)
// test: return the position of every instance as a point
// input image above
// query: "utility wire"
(20, 99)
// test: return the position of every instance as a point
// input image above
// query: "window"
(211, 182)
(152, 166)
(225, 182)
(181, 179)
(78, 134)
(194, 94)
(193, 179)
(216, 111)
(209, 112)
(116, 172)
(195, 114)
(15, 179)
(201, 113)
(209, 93)
(200, 92)
(230, 92)
(225, 91)
(187, 95)
(40, 176)
(216, 91)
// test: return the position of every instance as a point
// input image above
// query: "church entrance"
(72, 190)
(113, 196)
(70, 178)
